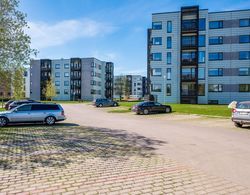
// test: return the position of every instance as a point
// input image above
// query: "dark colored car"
(100, 102)
(151, 107)
(14, 104)
(6, 105)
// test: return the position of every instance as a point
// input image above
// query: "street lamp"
(164, 87)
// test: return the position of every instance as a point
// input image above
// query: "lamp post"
(164, 87)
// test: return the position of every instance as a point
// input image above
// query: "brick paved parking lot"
(68, 159)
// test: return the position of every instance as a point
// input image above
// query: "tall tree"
(15, 47)
(49, 91)
(18, 83)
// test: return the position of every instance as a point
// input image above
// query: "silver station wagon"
(31, 113)
(241, 114)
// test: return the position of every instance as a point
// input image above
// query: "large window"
(201, 89)
(156, 40)
(156, 71)
(169, 58)
(188, 73)
(157, 25)
(57, 66)
(168, 73)
(57, 74)
(202, 24)
(215, 24)
(244, 39)
(215, 40)
(169, 42)
(201, 57)
(201, 73)
(188, 57)
(66, 74)
(244, 22)
(156, 87)
(244, 55)
(156, 56)
(215, 56)
(202, 40)
(244, 71)
(244, 88)
(215, 72)
(215, 88)
(66, 83)
(188, 89)
(189, 25)
(57, 83)
(169, 26)
(188, 41)
(168, 89)
(66, 66)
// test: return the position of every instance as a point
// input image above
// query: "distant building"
(74, 78)
(199, 57)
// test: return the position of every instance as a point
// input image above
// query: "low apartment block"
(199, 57)
(74, 78)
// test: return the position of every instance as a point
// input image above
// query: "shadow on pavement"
(27, 147)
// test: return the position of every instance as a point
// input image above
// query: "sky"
(110, 30)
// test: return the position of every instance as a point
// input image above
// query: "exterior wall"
(27, 83)
(35, 79)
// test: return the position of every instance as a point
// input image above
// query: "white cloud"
(121, 71)
(105, 56)
(45, 35)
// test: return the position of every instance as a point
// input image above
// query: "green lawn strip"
(67, 102)
(2, 109)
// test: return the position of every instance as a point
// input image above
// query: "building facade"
(199, 57)
(74, 78)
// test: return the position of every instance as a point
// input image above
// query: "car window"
(243, 106)
(157, 104)
(24, 108)
(151, 104)
(44, 107)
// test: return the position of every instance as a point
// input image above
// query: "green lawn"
(210, 110)
(2, 109)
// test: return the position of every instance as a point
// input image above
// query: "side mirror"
(15, 110)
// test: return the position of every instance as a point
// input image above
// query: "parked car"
(33, 112)
(100, 102)
(14, 104)
(241, 114)
(6, 105)
(151, 107)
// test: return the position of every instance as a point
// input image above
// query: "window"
(169, 42)
(244, 55)
(244, 87)
(202, 40)
(169, 56)
(201, 57)
(202, 24)
(215, 56)
(66, 91)
(156, 71)
(168, 90)
(168, 73)
(57, 66)
(244, 22)
(66, 83)
(201, 73)
(57, 74)
(157, 25)
(57, 83)
(215, 72)
(215, 40)
(66, 66)
(244, 71)
(169, 26)
(188, 73)
(156, 87)
(215, 24)
(201, 89)
(57, 91)
(244, 39)
(189, 25)
(188, 41)
(24, 108)
(189, 57)
(66, 74)
(156, 56)
(44, 107)
(215, 88)
(156, 40)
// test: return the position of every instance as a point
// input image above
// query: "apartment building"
(199, 57)
(74, 78)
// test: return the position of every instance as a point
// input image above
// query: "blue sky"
(111, 30)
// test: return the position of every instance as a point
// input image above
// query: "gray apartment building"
(74, 78)
(199, 57)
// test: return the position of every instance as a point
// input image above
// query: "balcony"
(75, 77)
(188, 77)
(189, 26)
(188, 62)
(75, 67)
(189, 92)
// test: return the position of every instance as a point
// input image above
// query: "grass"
(208, 110)
(2, 109)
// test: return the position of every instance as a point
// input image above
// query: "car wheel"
(168, 110)
(50, 120)
(3, 121)
(115, 104)
(237, 124)
(100, 105)
(145, 111)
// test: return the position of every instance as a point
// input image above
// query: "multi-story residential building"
(196, 56)
(136, 85)
(27, 82)
(74, 78)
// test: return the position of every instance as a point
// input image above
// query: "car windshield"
(243, 105)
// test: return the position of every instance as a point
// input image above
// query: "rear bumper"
(241, 121)
(61, 118)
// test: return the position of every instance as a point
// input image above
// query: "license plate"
(243, 113)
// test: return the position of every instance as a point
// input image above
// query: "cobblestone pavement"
(83, 160)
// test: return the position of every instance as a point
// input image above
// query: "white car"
(241, 114)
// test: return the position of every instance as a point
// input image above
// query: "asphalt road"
(212, 145)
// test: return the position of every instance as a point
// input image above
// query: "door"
(21, 114)
(38, 112)
(158, 107)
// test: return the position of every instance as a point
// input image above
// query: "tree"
(119, 85)
(127, 87)
(15, 47)
(18, 83)
(49, 91)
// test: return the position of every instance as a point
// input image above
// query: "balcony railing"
(188, 92)
(188, 77)
(191, 61)
(189, 26)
